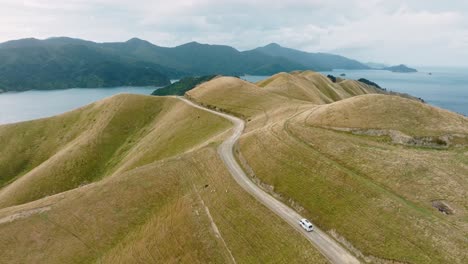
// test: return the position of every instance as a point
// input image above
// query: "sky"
(414, 32)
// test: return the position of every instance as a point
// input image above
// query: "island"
(400, 69)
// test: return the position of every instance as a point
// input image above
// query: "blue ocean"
(23, 106)
(443, 87)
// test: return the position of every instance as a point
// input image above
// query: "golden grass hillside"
(314, 87)
(274, 98)
(186, 209)
(389, 112)
(235, 96)
(388, 202)
(255, 105)
(155, 191)
(49, 156)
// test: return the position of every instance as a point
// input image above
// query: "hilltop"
(298, 87)
(315, 87)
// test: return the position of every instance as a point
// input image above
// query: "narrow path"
(331, 249)
(213, 225)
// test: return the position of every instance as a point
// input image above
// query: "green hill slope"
(91, 143)
(132, 179)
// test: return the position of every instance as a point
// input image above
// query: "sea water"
(22, 106)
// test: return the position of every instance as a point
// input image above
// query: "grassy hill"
(90, 143)
(245, 100)
(234, 95)
(137, 179)
(389, 112)
(381, 173)
(314, 87)
(132, 179)
(267, 99)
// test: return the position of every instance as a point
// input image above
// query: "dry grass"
(255, 105)
(148, 204)
(314, 87)
(374, 193)
(235, 96)
(117, 134)
(154, 214)
(389, 112)
(147, 200)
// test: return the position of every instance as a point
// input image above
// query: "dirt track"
(331, 249)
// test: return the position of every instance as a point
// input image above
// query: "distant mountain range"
(56, 63)
(376, 65)
(313, 61)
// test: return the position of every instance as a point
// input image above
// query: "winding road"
(331, 249)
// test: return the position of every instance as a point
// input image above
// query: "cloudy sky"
(415, 32)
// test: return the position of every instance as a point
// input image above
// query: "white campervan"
(306, 225)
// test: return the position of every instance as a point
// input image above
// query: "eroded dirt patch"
(398, 137)
(23, 214)
(443, 207)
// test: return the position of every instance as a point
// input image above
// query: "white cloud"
(399, 31)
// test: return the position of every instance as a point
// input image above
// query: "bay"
(439, 86)
(28, 105)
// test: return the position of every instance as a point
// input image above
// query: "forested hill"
(314, 61)
(57, 63)
(33, 64)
